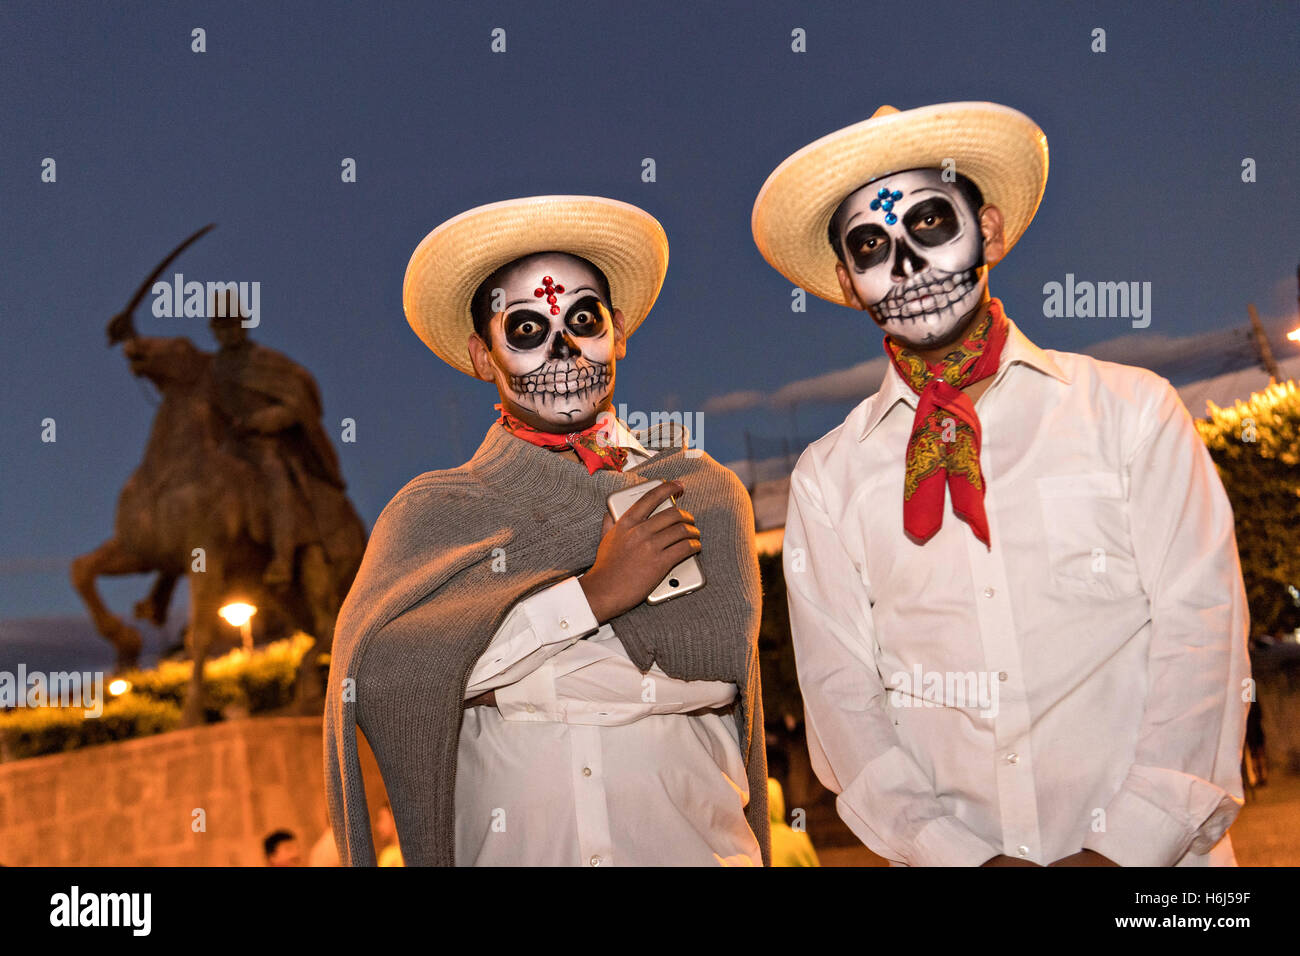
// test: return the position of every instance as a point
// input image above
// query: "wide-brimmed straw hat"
(1002, 150)
(627, 244)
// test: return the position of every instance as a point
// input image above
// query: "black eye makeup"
(868, 245)
(586, 316)
(932, 222)
(526, 329)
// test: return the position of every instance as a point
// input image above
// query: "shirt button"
(586, 772)
(564, 623)
(530, 708)
(1022, 850)
(1002, 675)
(595, 861)
(1013, 758)
(989, 592)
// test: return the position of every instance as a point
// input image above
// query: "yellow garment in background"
(790, 847)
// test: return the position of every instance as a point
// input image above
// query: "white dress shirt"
(587, 761)
(1082, 683)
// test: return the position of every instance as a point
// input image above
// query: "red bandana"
(594, 446)
(944, 450)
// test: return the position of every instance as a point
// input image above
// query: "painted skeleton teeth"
(572, 382)
(910, 304)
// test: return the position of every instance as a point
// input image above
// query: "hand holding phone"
(683, 577)
(641, 551)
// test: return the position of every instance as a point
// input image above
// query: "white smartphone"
(684, 577)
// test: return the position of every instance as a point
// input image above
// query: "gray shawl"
(432, 591)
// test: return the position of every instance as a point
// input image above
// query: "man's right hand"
(637, 552)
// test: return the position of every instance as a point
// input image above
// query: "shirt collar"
(1018, 351)
(624, 438)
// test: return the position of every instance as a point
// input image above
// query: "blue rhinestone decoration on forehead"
(885, 200)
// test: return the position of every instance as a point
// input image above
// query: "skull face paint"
(553, 343)
(914, 254)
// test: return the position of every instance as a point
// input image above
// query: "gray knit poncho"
(451, 554)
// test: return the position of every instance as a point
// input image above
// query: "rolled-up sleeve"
(595, 682)
(884, 796)
(1183, 789)
(536, 629)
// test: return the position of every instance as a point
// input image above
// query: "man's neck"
(558, 429)
(937, 354)
(934, 355)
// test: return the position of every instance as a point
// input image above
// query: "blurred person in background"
(281, 849)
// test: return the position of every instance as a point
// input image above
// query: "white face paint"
(915, 255)
(553, 342)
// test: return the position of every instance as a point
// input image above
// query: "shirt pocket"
(1089, 546)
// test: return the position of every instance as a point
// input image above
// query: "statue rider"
(274, 410)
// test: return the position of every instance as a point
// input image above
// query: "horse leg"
(110, 558)
(323, 604)
(153, 608)
(206, 591)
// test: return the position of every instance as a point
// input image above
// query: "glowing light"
(1294, 335)
(238, 614)
(119, 687)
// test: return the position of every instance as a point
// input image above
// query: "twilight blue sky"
(152, 140)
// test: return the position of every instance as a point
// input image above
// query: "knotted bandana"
(944, 450)
(594, 446)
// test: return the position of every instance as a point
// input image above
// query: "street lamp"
(239, 615)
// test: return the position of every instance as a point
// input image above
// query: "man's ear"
(995, 246)
(620, 337)
(480, 359)
(846, 286)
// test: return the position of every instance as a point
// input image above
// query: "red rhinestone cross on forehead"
(549, 289)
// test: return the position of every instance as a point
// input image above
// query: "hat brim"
(1001, 149)
(627, 244)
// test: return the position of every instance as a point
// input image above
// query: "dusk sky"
(152, 141)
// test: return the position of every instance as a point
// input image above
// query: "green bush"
(32, 731)
(261, 681)
(1256, 446)
(251, 683)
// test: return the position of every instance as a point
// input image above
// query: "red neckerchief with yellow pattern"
(594, 446)
(944, 450)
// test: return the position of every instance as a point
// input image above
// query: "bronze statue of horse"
(193, 508)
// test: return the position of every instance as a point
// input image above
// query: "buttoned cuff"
(560, 613)
(946, 841)
(532, 698)
(888, 785)
(1138, 833)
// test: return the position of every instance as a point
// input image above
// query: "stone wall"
(132, 803)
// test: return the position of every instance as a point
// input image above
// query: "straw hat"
(627, 244)
(1000, 149)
